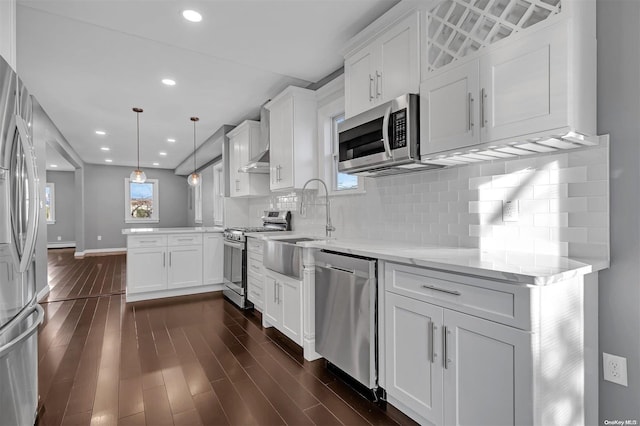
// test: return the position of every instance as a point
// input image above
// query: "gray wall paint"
(65, 208)
(104, 203)
(207, 200)
(618, 112)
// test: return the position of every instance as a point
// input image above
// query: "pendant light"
(138, 176)
(194, 178)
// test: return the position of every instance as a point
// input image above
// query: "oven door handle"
(385, 132)
(235, 245)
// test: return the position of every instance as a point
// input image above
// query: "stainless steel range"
(235, 254)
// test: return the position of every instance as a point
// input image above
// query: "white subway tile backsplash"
(589, 189)
(570, 175)
(563, 206)
(575, 204)
(551, 219)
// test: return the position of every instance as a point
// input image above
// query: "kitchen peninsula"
(167, 262)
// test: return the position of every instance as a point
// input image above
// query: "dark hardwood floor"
(186, 361)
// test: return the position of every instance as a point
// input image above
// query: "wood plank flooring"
(193, 360)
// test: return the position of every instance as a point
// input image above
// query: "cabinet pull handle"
(278, 292)
(237, 185)
(275, 285)
(431, 328)
(278, 178)
(445, 352)
(164, 259)
(483, 95)
(378, 79)
(370, 88)
(469, 112)
(431, 287)
(170, 258)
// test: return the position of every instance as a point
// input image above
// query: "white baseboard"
(159, 294)
(67, 244)
(43, 293)
(98, 252)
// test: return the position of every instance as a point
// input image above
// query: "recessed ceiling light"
(171, 140)
(101, 132)
(192, 15)
(163, 153)
(53, 166)
(108, 160)
(156, 164)
(168, 82)
(105, 148)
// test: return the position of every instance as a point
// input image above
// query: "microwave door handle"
(385, 132)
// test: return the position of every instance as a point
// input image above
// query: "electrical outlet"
(510, 211)
(99, 237)
(59, 238)
(614, 368)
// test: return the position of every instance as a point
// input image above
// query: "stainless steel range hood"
(260, 163)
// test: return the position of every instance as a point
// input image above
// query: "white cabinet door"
(526, 85)
(290, 298)
(212, 259)
(239, 157)
(272, 310)
(384, 69)
(185, 266)
(487, 380)
(413, 355)
(282, 144)
(146, 269)
(359, 71)
(398, 69)
(449, 109)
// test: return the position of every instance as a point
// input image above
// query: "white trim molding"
(63, 244)
(99, 252)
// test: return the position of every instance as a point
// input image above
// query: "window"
(141, 201)
(341, 181)
(50, 202)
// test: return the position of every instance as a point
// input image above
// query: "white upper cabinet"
(292, 135)
(507, 72)
(385, 67)
(244, 144)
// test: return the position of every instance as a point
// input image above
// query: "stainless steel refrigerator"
(20, 313)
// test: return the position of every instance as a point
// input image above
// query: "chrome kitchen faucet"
(329, 227)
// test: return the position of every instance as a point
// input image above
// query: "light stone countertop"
(185, 230)
(519, 268)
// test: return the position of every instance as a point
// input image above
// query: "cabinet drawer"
(140, 241)
(185, 239)
(254, 246)
(501, 302)
(255, 289)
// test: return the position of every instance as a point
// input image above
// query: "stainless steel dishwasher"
(346, 315)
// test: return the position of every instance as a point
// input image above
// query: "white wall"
(8, 31)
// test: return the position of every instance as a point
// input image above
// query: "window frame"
(328, 147)
(155, 214)
(52, 203)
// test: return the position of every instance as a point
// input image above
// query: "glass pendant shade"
(138, 176)
(194, 179)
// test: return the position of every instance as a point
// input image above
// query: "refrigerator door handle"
(30, 242)
(4, 350)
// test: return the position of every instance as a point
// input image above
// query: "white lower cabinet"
(212, 258)
(146, 269)
(463, 350)
(255, 273)
(452, 368)
(173, 265)
(185, 266)
(283, 305)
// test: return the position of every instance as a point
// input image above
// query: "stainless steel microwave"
(382, 141)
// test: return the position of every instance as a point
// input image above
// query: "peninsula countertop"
(182, 230)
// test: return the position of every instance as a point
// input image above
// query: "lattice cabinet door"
(458, 28)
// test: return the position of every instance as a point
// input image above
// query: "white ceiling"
(88, 62)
